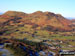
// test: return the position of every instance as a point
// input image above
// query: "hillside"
(39, 18)
(18, 24)
(73, 24)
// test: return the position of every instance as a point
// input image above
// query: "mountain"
(14, 13)
(73, 24)
(39, 18)
(73, 20)
(20, 24)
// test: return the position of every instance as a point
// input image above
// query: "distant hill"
(70, 18)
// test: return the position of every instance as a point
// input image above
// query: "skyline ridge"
(64, 7)
(39, 11)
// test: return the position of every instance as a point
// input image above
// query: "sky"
(64, 7)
